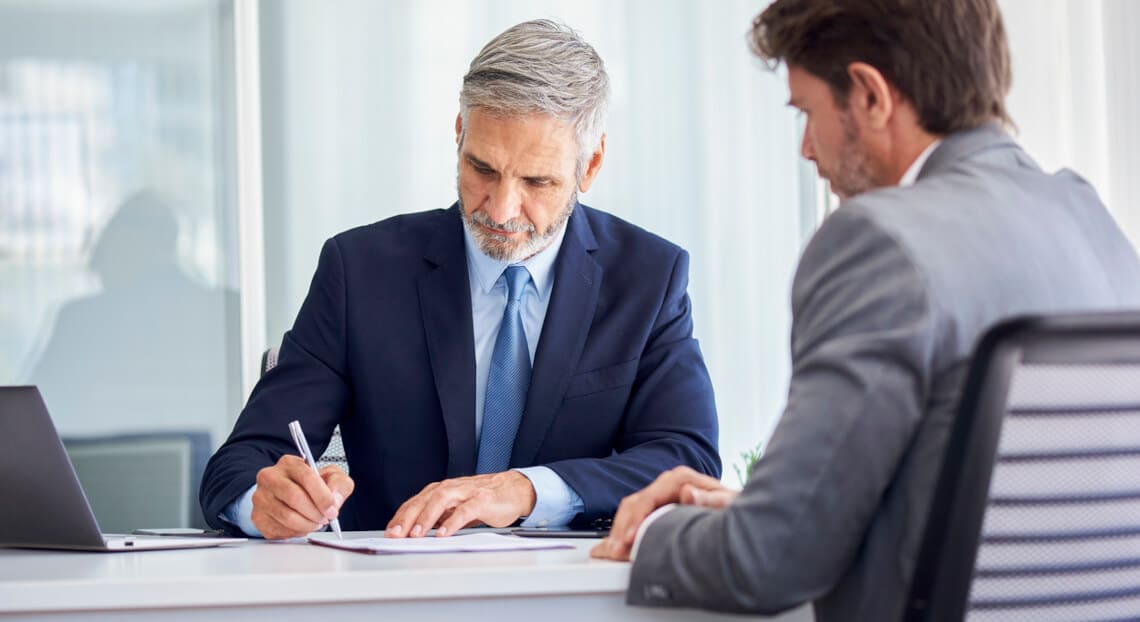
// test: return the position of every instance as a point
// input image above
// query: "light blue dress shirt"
(556, 503)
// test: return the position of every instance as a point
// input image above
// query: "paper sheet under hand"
(468, 543)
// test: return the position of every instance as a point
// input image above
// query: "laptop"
(44, 504)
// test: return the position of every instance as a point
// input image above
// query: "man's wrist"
(522, 490)
(555, 502)
(238, 513)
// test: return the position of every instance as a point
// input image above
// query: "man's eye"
(483, 170)
(538, 183)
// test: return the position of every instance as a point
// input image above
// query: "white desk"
(273, 581)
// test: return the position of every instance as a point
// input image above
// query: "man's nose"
(505, 202)
(807, 149)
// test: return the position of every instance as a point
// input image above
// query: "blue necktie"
(507, 382)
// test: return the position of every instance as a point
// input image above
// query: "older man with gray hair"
(517, 356)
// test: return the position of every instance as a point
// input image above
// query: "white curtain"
(1076, 93)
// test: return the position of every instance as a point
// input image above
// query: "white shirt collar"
(486, 271)
(911, 174)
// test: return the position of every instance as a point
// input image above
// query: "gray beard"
(501, 248)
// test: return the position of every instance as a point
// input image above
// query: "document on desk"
(468, 543)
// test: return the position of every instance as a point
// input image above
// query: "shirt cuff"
(238, 514)
(658, 513)
(555, 502)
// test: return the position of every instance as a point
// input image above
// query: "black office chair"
(1036, 514)
(334, 453)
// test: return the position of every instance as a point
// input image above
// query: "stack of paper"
(469, 543)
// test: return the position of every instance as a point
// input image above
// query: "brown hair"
(948, 58)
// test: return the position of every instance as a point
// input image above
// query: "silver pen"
(307, 454)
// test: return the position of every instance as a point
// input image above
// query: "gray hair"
(541, 66)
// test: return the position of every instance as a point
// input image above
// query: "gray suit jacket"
(888, 299)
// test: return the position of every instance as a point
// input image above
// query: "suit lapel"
(577, 280)
(445, 301)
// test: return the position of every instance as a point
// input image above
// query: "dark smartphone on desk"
(179, 532)
(558, 532)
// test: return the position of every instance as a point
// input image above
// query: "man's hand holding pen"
(292, 500)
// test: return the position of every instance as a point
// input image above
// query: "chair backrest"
(142, 480)
(334, 452)
(1036, 514)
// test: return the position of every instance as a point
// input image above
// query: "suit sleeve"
(308, 384)
(861, 347)
(670, 417)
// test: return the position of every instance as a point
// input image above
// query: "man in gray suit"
(946, 227)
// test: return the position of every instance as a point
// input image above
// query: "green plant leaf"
(748, 458)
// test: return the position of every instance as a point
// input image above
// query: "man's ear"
(593, 166)
(871, 96)
(458, 127)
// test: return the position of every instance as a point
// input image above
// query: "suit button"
(656, 591)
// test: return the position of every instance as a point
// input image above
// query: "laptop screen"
(38, 479)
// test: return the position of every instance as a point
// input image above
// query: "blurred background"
(169, 170)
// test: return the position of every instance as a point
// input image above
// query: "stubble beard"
(854, 172)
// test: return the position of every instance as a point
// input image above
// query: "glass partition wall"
(118, 238)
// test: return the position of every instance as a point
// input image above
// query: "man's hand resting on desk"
(495, 499)
(678, 485)
(291, 501)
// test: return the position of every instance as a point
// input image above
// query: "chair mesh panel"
(334, 452)
(1061, 534)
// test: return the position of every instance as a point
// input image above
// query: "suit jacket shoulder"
(400, 235)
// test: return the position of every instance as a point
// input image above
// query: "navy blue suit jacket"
(383, 345)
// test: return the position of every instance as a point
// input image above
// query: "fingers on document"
(422, 512)
(497, 499)
(401, 523)
(458, 518)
